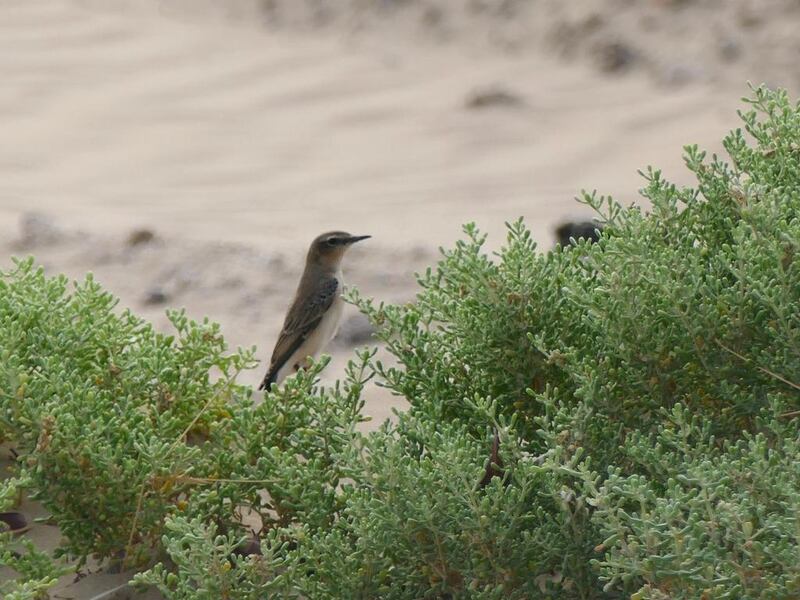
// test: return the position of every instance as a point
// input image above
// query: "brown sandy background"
(234, 131)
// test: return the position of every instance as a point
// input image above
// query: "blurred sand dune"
(219, 129)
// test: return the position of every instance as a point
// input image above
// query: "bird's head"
(328, 249)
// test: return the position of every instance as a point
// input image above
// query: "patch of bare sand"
(216, 130)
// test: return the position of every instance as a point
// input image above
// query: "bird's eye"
(331, 242)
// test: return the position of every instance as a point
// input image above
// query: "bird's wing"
(304, 316)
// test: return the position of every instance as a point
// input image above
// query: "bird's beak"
(357, 238)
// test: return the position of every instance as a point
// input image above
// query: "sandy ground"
(236, 131)
(237, 143)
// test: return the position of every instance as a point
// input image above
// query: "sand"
(236, 131)
(237, 143)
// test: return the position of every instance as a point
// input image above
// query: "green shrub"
(643, 390)
(418, 525)
(34, 571)
(118, 426)
(209, 566)
(97, 403)
(704, 521)
(694, 303)
(469, 331)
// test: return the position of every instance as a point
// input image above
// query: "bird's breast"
(329, 324)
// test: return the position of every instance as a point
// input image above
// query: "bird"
(314, 315)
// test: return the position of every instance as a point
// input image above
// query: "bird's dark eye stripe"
(335, 241)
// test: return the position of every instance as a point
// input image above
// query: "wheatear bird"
(316, 310)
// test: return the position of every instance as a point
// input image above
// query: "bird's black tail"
(269, 379)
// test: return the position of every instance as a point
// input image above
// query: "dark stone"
(37, 229)
(588, 230)
(614, 57)
(156, 295)
(492, 97)
(355, 330)
(13, 521)
(730, 50)
(139, 237)
(249, 547)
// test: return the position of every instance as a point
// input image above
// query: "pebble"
(494, 96)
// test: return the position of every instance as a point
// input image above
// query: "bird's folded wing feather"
(304, 316)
